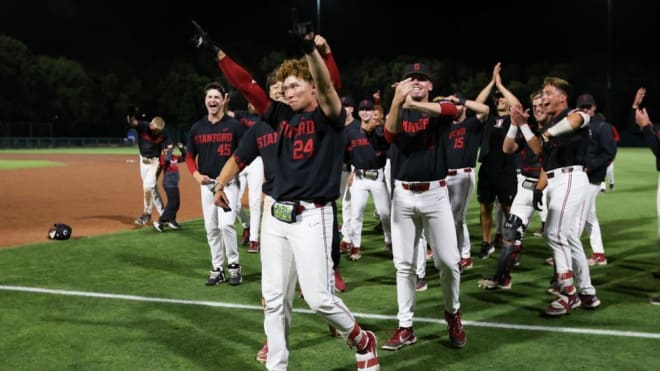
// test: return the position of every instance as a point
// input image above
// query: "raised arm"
(485, 92)
(326, 94)
(650, 136)
(237, 76)
(508, 95)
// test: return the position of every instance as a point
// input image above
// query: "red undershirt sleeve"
(241, 79)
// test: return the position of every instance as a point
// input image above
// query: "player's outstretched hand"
(302, 33)
(202, 40)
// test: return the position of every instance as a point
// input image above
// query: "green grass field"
(136, 300)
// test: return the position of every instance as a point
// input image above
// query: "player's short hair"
(558, 83)
(294, 67)
(215, 85)
(536, 94)
(271, 78)
(158, 122)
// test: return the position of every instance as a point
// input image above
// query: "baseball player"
(251, 178)
(522, 139)
(211, 141)
(463, 143)
(497, 172)
(169, 161)
(600, 153)
(565, 139)
(420, 200)
(651, 133)
(152, 138)
(366, 144)
(345, 245)
(297, 239)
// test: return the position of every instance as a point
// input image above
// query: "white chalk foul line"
(591, 331)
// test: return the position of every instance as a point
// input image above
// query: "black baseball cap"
(585, 100)
(419, 69)
(459, 95)
(366, 104)
(347, 101)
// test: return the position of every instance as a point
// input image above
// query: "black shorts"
(501, 184)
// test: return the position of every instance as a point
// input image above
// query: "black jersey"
(309, 154)
(492, 155)
(246, 118)
(601, 151)
(530, 163)
(568, 149)
(213, 144)
(366, 150)
(259, 140)
(418, 151)
(463, 143)
(150, 144)
(652, 138)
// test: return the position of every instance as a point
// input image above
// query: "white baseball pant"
(589, 219)
(359, 191)
(413, 212)
(461, 186)
(219, 225)
(345, 207)
(300, 249)
(252, 176)
(565, 194)
(151, 196)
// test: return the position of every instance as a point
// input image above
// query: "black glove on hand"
(298, 32)
(202, 40)
(538, 199)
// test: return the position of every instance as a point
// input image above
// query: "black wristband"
(307, 46)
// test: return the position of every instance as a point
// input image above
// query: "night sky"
(477, 32)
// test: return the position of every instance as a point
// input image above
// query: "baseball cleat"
(457, 336)
(656, 300)
(345, 247)
(421, 284)
(234, 271)
(173, 224)
(465, 264)
(402, 336)
(589, 301)
(159, 226)
(492, 284)
(597, 259)
(563, 304)
(262, 354)
(355, 254)
(143, 219)
(254, 247)
(216, 276)
(340, 285)
(487, 249)
(367, 359)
